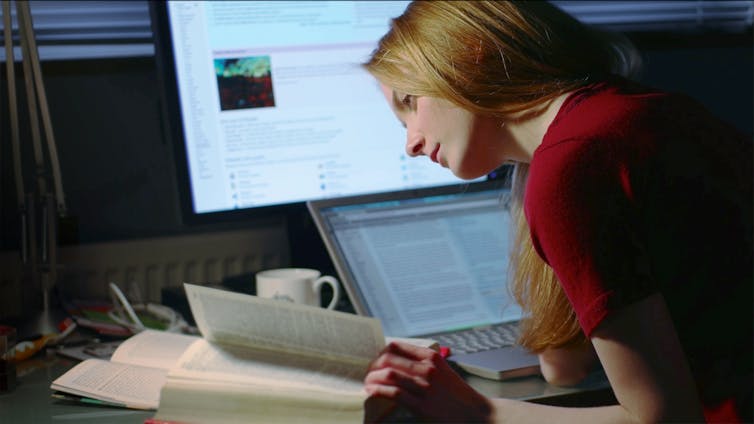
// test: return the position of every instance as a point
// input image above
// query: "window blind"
(89, 29)
(671, 16)
(109, 28)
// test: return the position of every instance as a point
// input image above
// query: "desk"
(30, 401)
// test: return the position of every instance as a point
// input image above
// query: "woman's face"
(469, 145)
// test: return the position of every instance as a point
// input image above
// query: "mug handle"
(333, 282)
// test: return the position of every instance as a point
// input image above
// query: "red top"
(634, 192)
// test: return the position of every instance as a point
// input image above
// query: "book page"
(131, 386)
(260, 367)
(155, 349)
(239, 319)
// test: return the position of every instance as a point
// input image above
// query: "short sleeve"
(579, 205)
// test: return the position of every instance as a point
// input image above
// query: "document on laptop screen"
(430, 265)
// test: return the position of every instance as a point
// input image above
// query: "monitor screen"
(269, 106)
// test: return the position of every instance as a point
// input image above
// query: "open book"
(258, 360)
(134, 375)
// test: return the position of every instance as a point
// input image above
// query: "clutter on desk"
(89, 349)
(115, 321)
(150, 315)
(102, 325)
(122, 318)
(30, 345)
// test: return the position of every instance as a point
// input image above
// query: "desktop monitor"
(268, 105)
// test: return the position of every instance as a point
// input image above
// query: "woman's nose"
(414, 145)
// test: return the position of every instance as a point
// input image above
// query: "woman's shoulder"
(615, 120)
(602, 131)
(607, 109)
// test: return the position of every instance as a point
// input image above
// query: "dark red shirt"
(634, 192)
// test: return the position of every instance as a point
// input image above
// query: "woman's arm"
(637, 346)
(648, 371)
(647, 368)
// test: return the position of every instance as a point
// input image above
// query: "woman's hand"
(421, 381)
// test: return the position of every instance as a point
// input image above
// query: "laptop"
(432, 263)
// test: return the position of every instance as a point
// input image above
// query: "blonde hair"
(492, 57)
(500, 59)
(550, 320)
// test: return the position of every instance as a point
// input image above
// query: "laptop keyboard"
(479, 339)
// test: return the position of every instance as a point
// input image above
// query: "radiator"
(143, 267)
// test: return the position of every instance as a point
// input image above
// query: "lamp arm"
(31, 100)
(14, 130)
(32, 53)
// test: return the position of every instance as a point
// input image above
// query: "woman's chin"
(468, 172)
(467, 175)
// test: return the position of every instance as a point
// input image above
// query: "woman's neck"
(528, 129)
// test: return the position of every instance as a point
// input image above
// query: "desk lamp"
(40, 207)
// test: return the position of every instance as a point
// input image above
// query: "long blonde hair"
(499, 59)
(551, 321)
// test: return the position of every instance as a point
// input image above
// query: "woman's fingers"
(420, 380)
(413, 360)
(390, 376)
(423, 368)
(395, 394)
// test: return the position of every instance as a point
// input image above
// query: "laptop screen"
(423, 264)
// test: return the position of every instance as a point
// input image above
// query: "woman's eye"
(403, 101)
(407, 100)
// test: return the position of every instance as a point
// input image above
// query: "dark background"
(118, 166)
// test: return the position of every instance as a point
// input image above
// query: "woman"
(634, 214)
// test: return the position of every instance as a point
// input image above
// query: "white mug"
(297, 285)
